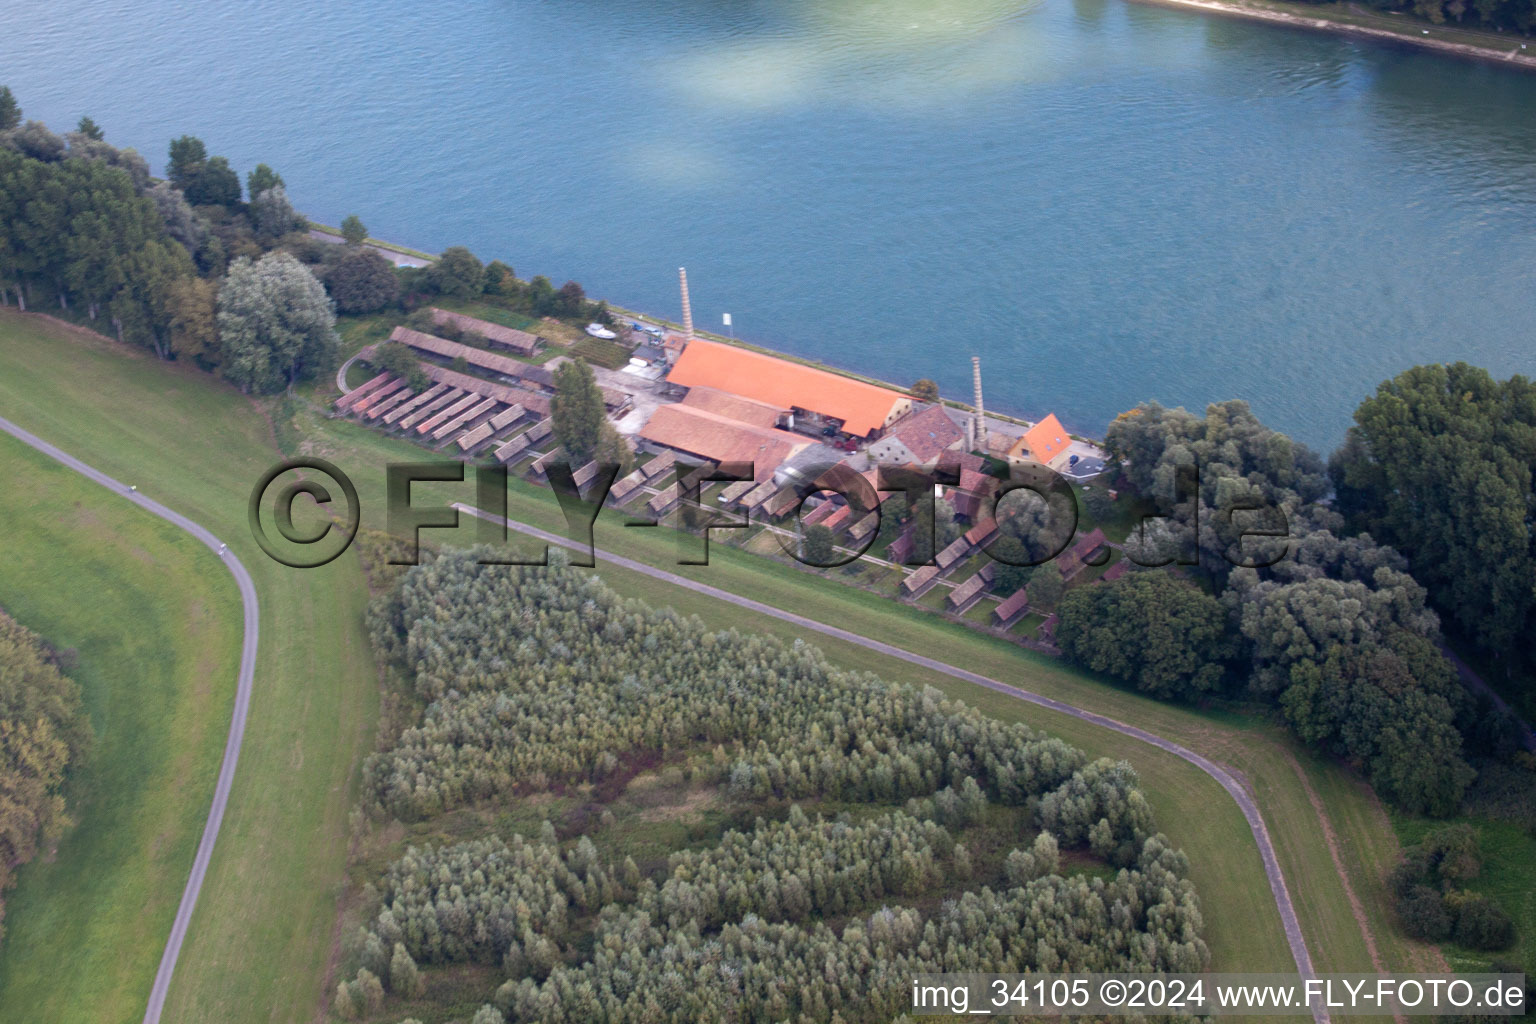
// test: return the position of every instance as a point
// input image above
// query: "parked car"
(599, 331)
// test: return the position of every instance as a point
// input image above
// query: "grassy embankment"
(151, 622)
(261, 932)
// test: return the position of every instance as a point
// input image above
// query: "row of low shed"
(474, 415)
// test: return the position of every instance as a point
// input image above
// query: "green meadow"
(149, 624)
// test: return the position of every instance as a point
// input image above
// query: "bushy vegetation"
(401, 360)
(1336, 632)
(543, 680)
(1433, 905)
(1162, 634)
(43, 733)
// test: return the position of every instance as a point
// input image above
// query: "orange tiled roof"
(1043, 441)
(862, 407)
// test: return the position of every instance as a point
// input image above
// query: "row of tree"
(539, 678)
(83, 224)
(1500, 15)
(759, 969)
(43, 734)
(600, 678)
(194, 267)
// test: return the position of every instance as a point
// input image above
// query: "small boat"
(599, 331)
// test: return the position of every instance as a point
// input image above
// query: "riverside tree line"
(535, 680)
(1422, 518)
(197, 268)
(1419, 527)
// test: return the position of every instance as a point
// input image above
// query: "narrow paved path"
(1233, 787)
(1477, 684)
(189, 895)
(399, 259)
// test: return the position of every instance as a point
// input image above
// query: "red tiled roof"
(735, 407)
(453, 350)
(1014, 605)
(715, 437)
(981, 532)
(520, 341)
(1090, 543)
(928, 433)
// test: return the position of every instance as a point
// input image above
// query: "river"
(1107, 202)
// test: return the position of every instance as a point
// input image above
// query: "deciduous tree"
(194, 331)
(1046, 586)
(1440, 464)
(275, 323)
(188, 155)
(1147, 628)
(353, 230)
(458, 272)
(362, 281)
(261, 179)
(576, 410)
(215, 184)
(272, 215)
(819, 544)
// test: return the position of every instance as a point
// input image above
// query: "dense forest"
(858, 861)
(1440, 464)
(43, 734)
(197, 268)
(1340, 635)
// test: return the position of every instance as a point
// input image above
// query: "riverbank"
(1347, 19)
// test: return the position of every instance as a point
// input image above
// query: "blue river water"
(1107, 202)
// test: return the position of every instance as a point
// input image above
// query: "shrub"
(1481, 924)
(1424, 914)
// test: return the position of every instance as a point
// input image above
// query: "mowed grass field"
(259, 945)
(262, 935)
(151, 625)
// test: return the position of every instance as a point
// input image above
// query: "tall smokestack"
(981, 413)
(682, 277)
